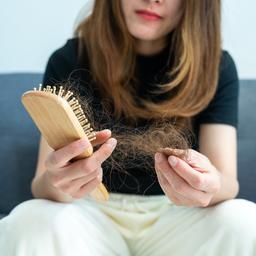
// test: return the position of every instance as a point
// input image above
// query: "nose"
(154, 1)
(157, 1)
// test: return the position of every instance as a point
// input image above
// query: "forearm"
(229, 189)
(41, 188)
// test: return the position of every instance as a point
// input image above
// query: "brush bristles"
(75, 106)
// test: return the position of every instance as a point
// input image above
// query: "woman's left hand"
(193, 182)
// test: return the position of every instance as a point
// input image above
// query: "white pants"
(128, 225)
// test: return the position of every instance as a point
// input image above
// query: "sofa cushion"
(247, 140)
(19, 139)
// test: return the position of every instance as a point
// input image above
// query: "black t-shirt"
(223, 109)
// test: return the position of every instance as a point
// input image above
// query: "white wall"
(239, 34)
(30, 30)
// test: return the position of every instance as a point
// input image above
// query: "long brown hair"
(196, 43)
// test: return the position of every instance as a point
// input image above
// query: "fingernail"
(111, 142)
(172, 160)
(106, 130)
(158, 158)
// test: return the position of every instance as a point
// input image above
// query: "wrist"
(228, 190)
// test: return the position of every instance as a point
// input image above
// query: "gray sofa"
(19, 141)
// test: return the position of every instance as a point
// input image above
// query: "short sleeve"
(223, 108)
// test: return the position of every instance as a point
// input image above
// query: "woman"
(151, 59)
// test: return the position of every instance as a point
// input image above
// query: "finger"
(98, 157)
(75, 170)
(196, 179)
(161, 166)
(60, 157)
(85, 166)
(178, 183)
(72, 173)
(101, 137)
(184, 189)
(175, 197)
(72, 187)
(88, 188)
(83, 181)
(197, 160)
(185, 171)
(191, 156)
(169, 193)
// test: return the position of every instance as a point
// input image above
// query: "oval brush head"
(61, 120)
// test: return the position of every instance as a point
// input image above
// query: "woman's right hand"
(79, 178)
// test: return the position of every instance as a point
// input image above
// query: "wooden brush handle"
(59, 126)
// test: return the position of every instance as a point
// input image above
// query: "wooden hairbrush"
(61, 120)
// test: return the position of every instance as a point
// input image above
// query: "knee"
(40, 214)
(236, 216)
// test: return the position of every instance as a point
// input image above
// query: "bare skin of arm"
(219, 143)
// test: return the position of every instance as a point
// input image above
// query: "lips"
(148, 15)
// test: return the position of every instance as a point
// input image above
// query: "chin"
(145, 34)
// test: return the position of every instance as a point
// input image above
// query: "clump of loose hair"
(136, 146)
(139, 147)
